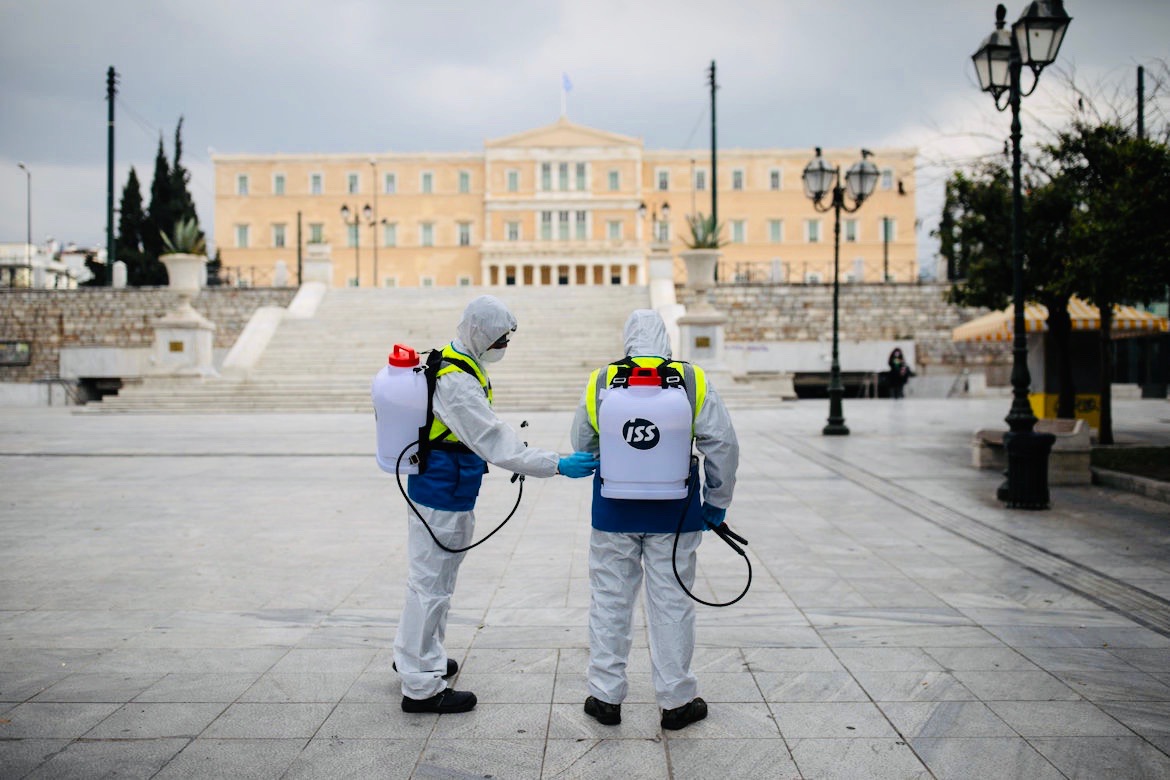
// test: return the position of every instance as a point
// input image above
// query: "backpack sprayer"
(644, 428)
(403, 392)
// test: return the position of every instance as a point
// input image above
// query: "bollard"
(1026, 486)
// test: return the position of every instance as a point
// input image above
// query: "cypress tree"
(131, 223)
(183, 204)
(160, 218)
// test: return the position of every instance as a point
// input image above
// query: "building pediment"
(562, 133)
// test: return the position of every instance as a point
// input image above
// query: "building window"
(464, 182)
(464, 234)
(463, 281)
(812, 277)
(581, 177)
(353, 183)
(390, 184)
(774, 179)
(562, 226)
(663, 229)
(663, 180)
(316, 183)
(812, 230)
(890, 228)
(737, 179)
(427, 182)
(513, 181)
(426, 281)
(775, 230)
(390, 281)
(242, 184)
(563, 177)
(615, 181)
(546, 226)
(278, 236)
(513, 231)
(316, 233)
(614, 229)
(546, 176)
(351, 235)
(700, 179)
(738, 230)
(426, 234)
(390, 234)
(887, 179)
(241, 236)
(278, 184)
(851, 231)
(582, 232)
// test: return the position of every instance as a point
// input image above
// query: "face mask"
(492, 356)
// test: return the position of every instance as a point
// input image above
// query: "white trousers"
(616, 565)
(418, 648)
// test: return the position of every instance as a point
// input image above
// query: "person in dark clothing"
(899, 374)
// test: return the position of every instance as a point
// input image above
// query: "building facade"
(556, 205)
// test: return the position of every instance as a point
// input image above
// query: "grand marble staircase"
(325, 363)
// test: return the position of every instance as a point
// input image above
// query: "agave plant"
(705, 232)
(186, 238)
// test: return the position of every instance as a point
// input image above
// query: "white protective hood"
(645, 335)
(485, 319)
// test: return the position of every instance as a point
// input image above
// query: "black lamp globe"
(818, 177)
(861, 178)
(1039, 32)
(993, 59)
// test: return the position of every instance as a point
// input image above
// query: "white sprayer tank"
(400, 408)
(645, 439)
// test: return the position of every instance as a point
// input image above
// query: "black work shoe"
(605, 713)
(444, 702)
(681, 717)
(452, 668)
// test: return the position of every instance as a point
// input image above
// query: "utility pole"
(299, 261)
(885, 250)
(111, 248)
(714, 176)
(1141, 102)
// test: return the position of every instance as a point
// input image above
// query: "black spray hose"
(727, 535)
(413, 508)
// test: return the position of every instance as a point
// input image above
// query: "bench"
(1068, 463)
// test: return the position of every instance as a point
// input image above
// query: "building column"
(625, 275)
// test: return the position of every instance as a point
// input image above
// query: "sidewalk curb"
(1150, 488)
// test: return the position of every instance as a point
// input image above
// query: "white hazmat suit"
(617, 561)
(460, 403)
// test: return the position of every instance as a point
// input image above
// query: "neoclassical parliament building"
(555, 205)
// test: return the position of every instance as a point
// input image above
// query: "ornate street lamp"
(28, 210)
(658, 216)
(356, 224)
(1034, 41)
(821, 179)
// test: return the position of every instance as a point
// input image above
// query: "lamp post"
(659, 215)
(821, 179)
(28, 209)
(356, 225)
(1034, 40)
(374, 220)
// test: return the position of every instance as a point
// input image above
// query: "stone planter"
(186, 273)
(701, 274)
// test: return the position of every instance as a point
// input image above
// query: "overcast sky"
(383, 75)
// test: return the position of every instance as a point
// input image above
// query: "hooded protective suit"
(645, 541)
(461, 403)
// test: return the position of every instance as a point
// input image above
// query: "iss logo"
(640, 434)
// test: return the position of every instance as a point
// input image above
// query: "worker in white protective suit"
(465, 435)
(632, 539)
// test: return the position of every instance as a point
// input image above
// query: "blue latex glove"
(577, 465)
(713, 516)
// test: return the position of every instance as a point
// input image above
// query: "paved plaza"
(216, 596)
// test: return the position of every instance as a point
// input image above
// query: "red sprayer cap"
(403, 357)
(644, 377)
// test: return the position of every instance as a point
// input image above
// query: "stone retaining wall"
(104, 317)
(867, 312)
